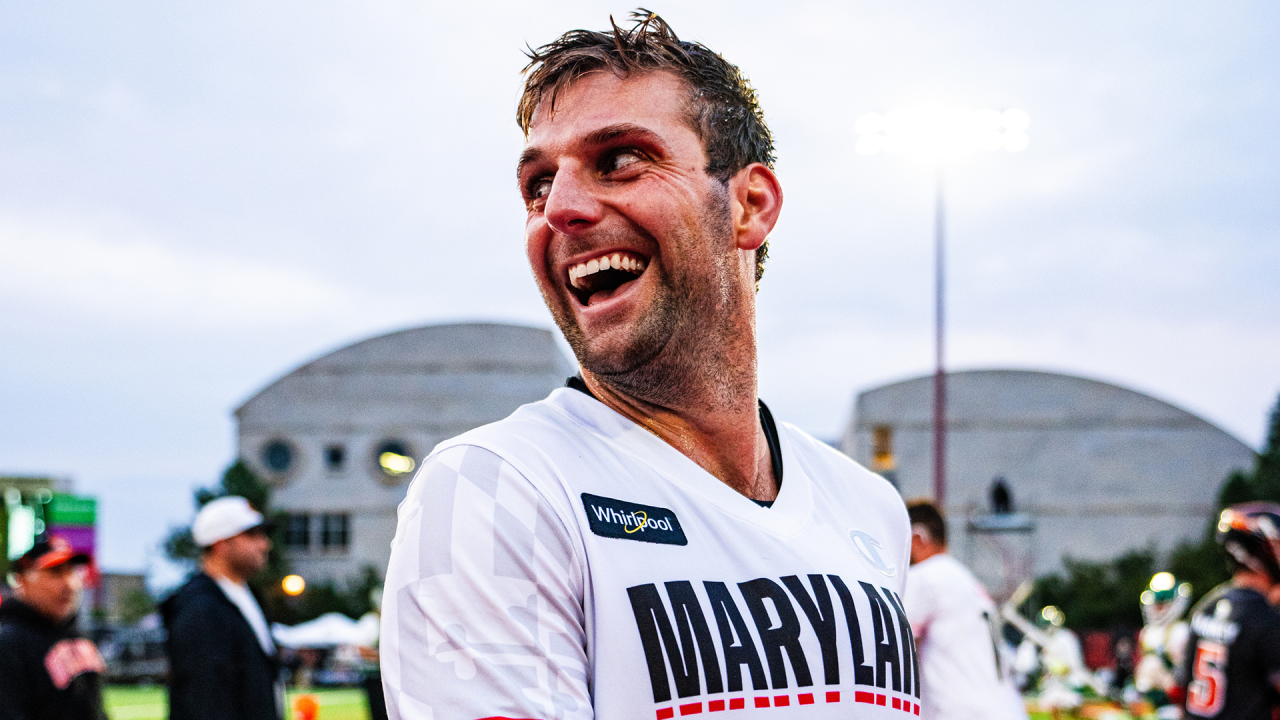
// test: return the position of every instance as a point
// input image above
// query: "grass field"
(149, 702)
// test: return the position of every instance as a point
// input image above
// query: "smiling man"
(627, 548)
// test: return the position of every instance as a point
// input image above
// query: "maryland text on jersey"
(682, 656)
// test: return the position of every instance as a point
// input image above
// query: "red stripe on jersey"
(715, 706)
(737, 703)
(782, 701)
(666, 713)
(897, 704)
(762, 702)
(805, 699)
(691, 709)
(880, 699)
(864, 697)
(833, 696)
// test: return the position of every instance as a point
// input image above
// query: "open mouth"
(600, 278)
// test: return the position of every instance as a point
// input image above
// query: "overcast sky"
(197, 199)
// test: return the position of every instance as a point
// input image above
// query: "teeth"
(616, 261)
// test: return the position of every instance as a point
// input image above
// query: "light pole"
(941, 136)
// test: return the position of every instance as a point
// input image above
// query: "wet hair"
(925, 513)
(723, 107)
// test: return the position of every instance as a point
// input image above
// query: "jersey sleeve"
(483, 607)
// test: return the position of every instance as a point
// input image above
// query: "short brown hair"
(924, 512)
(723, 107)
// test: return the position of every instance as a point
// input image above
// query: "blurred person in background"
(48, 671)
(370, 671)
(1164, 643)
(1232, 668)
(222, 661)
(1051, 658)
(962, 669)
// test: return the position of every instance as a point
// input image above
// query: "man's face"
(247, 552)
(54, 592)
(616, 175)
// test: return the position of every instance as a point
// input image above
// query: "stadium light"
(941, 136)
(293, 585)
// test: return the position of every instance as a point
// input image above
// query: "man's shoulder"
(824, 463)
(945, 572)
(560, 413)
(565, 424)
(19, 623)
(198, 595)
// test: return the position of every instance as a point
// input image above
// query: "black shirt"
(217, 668)
(48, 671)
(1233, 656)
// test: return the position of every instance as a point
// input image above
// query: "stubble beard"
(687, 348)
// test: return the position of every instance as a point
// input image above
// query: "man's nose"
(572, 205)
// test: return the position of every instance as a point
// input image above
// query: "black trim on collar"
(766, 423)
(577, 383)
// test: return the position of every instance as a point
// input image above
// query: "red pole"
(939, 375)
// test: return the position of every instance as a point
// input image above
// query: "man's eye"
(540, 188)
(619, 161)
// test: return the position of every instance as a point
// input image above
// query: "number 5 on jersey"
(1207, 690)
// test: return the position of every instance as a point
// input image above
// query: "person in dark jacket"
(48, 671)
(222, 661)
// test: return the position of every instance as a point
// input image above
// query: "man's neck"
(219, 570)
(726, 441)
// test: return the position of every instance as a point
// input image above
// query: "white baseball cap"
(223, 518)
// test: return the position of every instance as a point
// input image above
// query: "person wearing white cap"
(222, 661)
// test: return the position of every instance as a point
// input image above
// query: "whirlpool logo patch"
(632, 521)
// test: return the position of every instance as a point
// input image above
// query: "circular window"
(278, 456)
(394, 460)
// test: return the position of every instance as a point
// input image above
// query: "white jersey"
(567, 563)
(961, 664)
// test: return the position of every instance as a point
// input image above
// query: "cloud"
(117, 274)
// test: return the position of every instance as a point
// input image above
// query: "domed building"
(339, 438)
(1042, 466)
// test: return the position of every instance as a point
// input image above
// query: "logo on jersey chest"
(624, 520)
(871, 550)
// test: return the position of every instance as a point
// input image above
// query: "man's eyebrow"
(530, 155)
(610, 132)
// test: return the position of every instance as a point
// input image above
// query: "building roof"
(454, 376)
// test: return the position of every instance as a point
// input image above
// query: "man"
(222, 663)
(628, 546)
(1233, 656)
(48, 671)
(963, 670)
(1163, 640)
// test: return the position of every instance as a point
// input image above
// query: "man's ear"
(755, 197)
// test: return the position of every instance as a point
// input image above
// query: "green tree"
(1098, 595)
